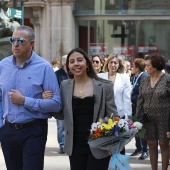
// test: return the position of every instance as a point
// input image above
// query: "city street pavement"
(56, 161)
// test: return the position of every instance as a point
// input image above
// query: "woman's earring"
(87, 69)
(69, 72)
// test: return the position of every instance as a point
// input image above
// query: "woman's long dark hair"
(90, 72)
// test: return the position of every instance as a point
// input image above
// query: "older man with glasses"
(23, 113)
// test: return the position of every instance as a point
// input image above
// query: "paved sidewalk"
(56, 161)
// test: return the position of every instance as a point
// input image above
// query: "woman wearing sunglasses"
(97, 64)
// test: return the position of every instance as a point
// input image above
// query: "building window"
(117, 7)
(128, 38)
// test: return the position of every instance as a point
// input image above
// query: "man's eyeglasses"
(19, 40)
(97, 62)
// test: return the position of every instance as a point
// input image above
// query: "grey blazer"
(108, 107)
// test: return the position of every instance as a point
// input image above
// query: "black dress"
(82, 158)
(82, 117)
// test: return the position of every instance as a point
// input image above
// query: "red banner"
(125, 52)
(98, 48)
(146, 49)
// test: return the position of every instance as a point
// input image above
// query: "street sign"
(14, 13)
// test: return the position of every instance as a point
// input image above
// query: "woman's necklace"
(81, 88)
(154, 81)
(112, 78)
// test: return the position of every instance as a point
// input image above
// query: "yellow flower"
(110, 124)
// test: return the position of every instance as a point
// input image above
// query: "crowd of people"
(83, 90)
(147, 78)
(132, 95)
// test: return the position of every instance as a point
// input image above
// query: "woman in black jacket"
(139, 73)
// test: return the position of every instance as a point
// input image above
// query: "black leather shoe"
(136, 152)
(144, 155)
(61, 151)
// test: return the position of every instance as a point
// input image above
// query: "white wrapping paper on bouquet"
(115, 144)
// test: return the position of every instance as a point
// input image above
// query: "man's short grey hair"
(64, 58)
(27, 29)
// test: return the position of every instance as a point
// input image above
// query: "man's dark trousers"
(24, 148)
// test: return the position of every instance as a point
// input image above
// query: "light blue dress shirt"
(31, 80)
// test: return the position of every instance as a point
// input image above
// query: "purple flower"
(115, 130)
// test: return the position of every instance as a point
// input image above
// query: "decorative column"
(36, 22)
(68, 26)
(35, 9)
(45, 42)
(55, 29)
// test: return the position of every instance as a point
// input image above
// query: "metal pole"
(15, 4)
(15, 7)
(22, 12)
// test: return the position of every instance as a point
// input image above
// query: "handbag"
(146, 118)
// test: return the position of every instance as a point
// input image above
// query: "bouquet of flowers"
(112, 134)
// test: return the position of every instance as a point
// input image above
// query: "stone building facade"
(53, 23)
(131, 28)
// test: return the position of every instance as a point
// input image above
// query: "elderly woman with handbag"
(154, 97)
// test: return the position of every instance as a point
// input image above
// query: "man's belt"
(24, 125)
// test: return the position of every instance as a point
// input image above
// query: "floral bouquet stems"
(118, 161)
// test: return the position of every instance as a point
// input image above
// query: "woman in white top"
(114, 71)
